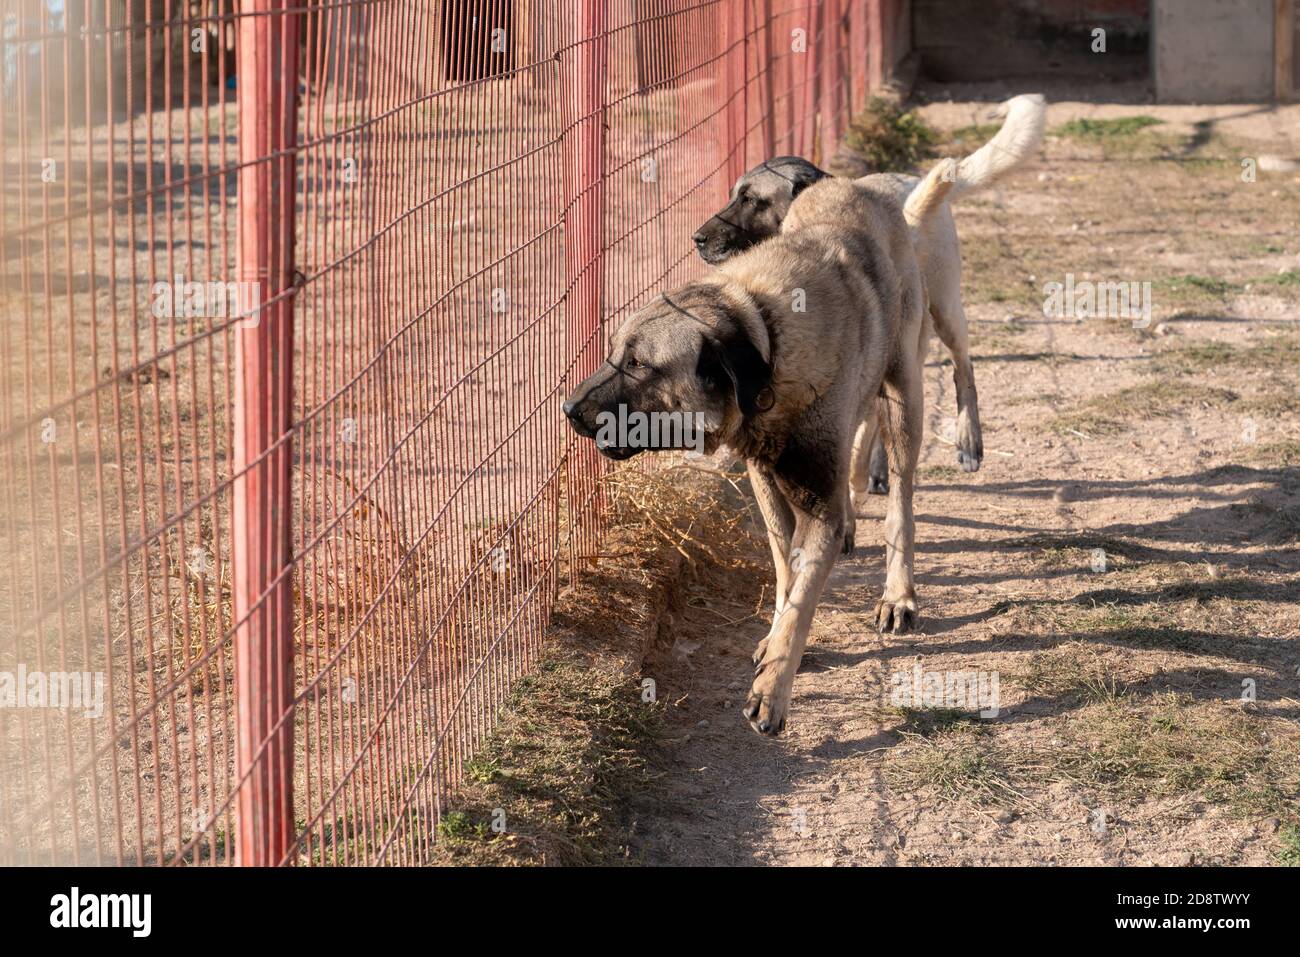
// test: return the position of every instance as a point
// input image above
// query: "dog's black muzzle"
(598, 393)
(718, 240)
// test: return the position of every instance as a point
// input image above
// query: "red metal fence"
(292, 295)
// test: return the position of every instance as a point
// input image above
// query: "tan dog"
(762, 198)
(783, 354)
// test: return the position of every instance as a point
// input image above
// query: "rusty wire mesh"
(464, 199)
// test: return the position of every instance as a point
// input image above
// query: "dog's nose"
(699, 239)
(575, 415)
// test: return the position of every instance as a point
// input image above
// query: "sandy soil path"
(1167, 452)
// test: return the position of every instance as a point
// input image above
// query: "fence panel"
(292, 296)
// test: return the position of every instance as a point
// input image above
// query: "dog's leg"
(817, 542)
(879, 483)
(878, 469)
(779, 519)
(869, 469)
(950, 324)
(850, 521)
(901, 424)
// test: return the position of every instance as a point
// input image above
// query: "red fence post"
(734, 87)
(808, 99)
(766, 56)
(261, 519)
(584, 68)
(879, 22)
(832, 77)
(858, 56)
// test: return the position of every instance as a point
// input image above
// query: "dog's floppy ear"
(804, 175)
(729, 359)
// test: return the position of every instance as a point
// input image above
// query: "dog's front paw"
(896, 616)
(768, 701)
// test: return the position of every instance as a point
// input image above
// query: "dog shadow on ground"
(758, 780)
(1235, 505)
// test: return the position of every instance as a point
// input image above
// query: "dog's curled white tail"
(1022, 131)
(930, 193)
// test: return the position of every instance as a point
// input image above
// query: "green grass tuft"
(890, 138)
(568, 752)
(1289, 278)
(1191, 287)
(973, 137)
(1095, 130)
(1288, 854)
(457, 826)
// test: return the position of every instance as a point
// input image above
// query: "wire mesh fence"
(292, 296)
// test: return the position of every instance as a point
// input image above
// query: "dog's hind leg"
(869, 468)
(950, 323)
(780, 522)
(901, 424)
(850, 521)
(879, 470)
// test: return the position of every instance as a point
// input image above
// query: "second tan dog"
(785, 354)
(761, 198)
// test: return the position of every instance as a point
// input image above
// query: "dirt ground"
(1125, 561)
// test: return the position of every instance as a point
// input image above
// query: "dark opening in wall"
(478, 39)
(997, 39)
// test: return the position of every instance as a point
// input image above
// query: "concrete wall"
(1212, 51)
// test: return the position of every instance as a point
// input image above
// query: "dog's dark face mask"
(759, 201)
(681, 373)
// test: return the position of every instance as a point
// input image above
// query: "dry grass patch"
(939, 473)
(573, 747)
(1114, 413)
(683, 507)
(1172, 744)
(1079, 670)
(1268, 365)
(1184, 617)
(961, 764)
(1279, 354)
(1120, 746)
(1284, 453)
(1059, 555)
(1271, 523)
